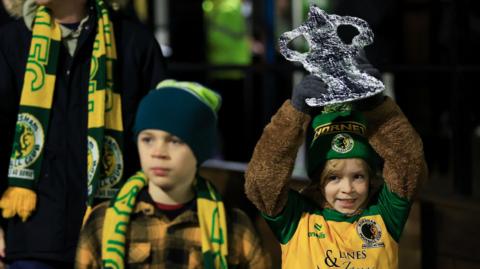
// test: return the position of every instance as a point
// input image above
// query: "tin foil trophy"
(331, 59)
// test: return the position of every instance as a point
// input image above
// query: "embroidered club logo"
(342, 143)
(112, 162)
(370, 233)
(93, 158)
(28, 144)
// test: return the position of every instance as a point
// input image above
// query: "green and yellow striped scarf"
(211, 217)
(105, 141)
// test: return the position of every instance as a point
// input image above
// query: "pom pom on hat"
(185, 109)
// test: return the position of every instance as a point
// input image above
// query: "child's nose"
(346, 185)
(160, 150)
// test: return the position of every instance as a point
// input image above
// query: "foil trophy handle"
(291, 55)
(331, 59)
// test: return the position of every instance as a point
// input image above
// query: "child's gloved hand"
(371, 102)
(365, 66)
(310, 86)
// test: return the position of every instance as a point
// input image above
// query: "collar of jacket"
(145, 206)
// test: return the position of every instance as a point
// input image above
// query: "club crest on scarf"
(28, 145)
(93, 158)
(112, 172)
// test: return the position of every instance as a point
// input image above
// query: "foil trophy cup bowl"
(331, 59)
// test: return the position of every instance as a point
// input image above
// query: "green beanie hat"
(185, 109)
(339, 135)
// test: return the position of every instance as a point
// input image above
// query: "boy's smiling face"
(346, 184)
(166, 160)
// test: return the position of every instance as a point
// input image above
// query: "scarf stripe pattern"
(211, 216)
(212, 225)
(35, 102)
(105, 128)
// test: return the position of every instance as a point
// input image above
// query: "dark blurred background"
(428, 53)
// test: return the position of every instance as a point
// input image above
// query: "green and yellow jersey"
(313, 238)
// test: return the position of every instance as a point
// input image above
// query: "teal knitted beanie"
(339, 135)
(185, 109)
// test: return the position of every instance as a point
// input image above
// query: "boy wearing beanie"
(353, 212)
(166, 215)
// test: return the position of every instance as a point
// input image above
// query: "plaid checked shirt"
(154, 241)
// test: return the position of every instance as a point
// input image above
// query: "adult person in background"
(228, 43)
(72, 74)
